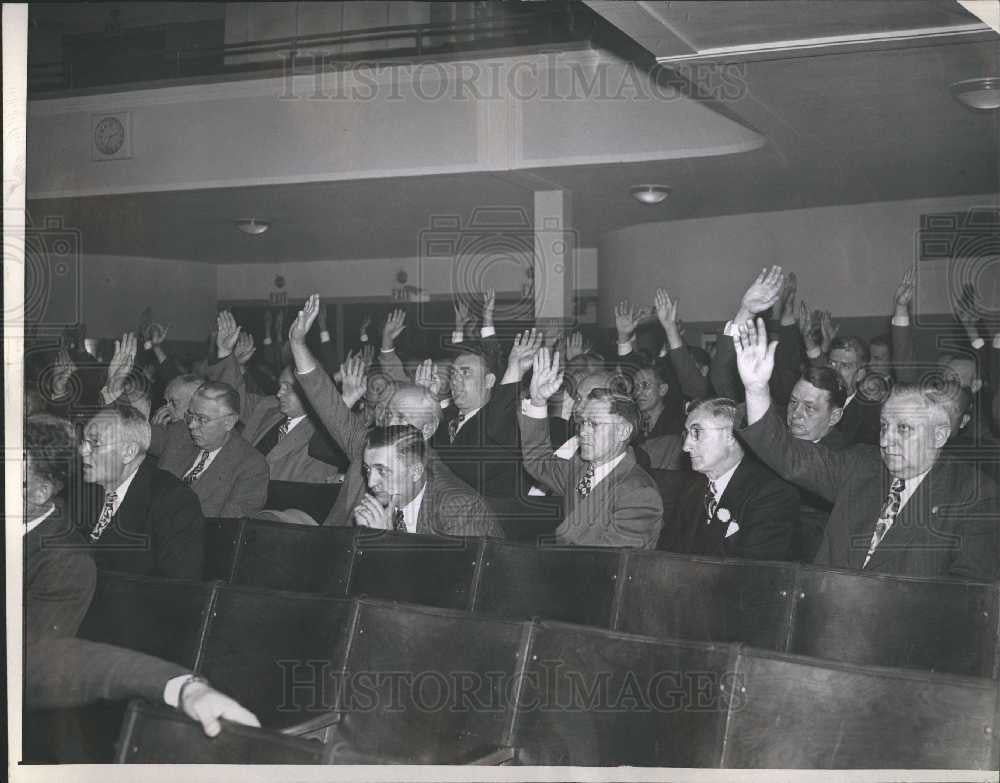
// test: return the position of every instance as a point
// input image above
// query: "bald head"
(413, 405)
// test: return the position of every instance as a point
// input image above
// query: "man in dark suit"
(228, 475)
(860, 421)
(610, 500)
(140, 519)
(59, 575)
(404, 495)
(911, 512)
(742, 509)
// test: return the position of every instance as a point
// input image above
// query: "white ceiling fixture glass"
(650, 194)
(252, 226)
(982, 94)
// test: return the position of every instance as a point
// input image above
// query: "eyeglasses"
(695, 432)
(200, 420)
(582, 422)
(95, 444)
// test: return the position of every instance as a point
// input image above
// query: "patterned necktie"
(283, 429)
(191, 477)
(587, 482)
(105, 518)
(398, 523)
(711, 504)
(887, 516)
(453, 426)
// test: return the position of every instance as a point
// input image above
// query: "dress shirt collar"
(723, 481)
(122, 489)
(411, 511)
(602, 470)
(38, 520)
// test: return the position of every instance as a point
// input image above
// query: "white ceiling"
(858, 126)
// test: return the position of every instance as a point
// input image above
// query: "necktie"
(398, 523)
(453, 426)
(283, 429)
(890, 508)
(105, 518)
(587, 482)
(191, 477)
(711, 504)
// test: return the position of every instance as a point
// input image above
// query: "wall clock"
(111, 137)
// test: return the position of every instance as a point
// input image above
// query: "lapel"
(268, 420)
(137, 499)
(294, 441)
(866, 509)
(220, 465)
(427, 513)
(732, 499)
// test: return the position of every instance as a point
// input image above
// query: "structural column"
(555, 261)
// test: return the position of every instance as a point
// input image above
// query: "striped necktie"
(711, 504)
(890, 508)
(285, 426)
(398, 522)
(453, 426)
(586, 484)
(105, 518)
(192, 476)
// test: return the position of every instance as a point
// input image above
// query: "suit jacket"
(234, 485)
(948, 527)
(290, 459)
(623, 510)
(757, 509)
(861, 420)
(158, 529)
(663, 452)
(452, 508)
(486, 453)
(59, 579)
(814, 510)
(67, 672)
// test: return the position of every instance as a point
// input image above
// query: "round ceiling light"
(982, 94)
(650, 194)
(252, 226)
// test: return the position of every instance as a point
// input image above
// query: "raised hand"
(784, 308)
(574, 345)
(121, 364)
(429, 377)
(367, 354)
(62, 371)
(322, 318)
(546, 377)
(904, 291)
(303, 321)
(489, 305)
(208, 706)
(162, 417)
(666, 314)
(157, 333)
(462, 316)
(245, 348)
(754, 356)
(967, 312)
(227, 332)
(365, 323)
(522, 352)
(627, 318)
(763, 292)
(352, 373)
(395, 323)
(828, 329)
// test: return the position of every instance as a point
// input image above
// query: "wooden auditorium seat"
(222, 537)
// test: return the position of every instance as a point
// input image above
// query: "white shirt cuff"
(324, 336)
(172, 691)
(267, 341)
(996, 341)
(148, 344)
(815, 353)
(663, 351)
(387, 350)
(457, 337)
(445, 403)
(487, 331)
(364, 338)
(900, 320)
(979, 342)
(306, 372)
(624, 349)
(534, 411)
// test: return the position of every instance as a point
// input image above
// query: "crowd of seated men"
(790, 442)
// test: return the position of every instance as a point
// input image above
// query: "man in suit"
(408, 404)
(178, 396)
(228, 475)
(742, 508)
(142, 519)
(860, 420)
(815, 406)
(911, 512)
(59, 575)
(404, 495)
(610, 500)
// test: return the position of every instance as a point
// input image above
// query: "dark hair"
(829, 380)
(700, 356)
(619, 404)
(51, 444)
(882, 340)
(222, 393)
(854, 344)
(478, 348)
(408, 441)
(721, 408)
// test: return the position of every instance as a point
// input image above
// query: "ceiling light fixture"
(982, 94)
(252, 226)
(650, 194)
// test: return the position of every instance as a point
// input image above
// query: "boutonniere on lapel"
(724, 516)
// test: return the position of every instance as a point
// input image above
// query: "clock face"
(109, 135)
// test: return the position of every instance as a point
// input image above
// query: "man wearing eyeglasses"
(137, 519)
(228, 475)
(737, 507)
(610, 500)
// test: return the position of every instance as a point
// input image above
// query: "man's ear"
(977, 384)
(941, 434)
(416, 472)
(624, 433)
(232, 421)
(664, 388)
(491, 380)
(429, 429)
(130, 451)
(835, 416)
